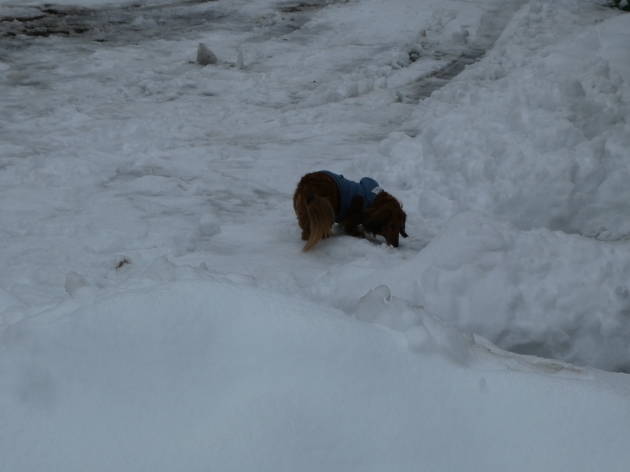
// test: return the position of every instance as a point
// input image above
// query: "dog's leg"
(316, 202)
(299, 205)
(322, 217)
(352, 222)
(304, 222)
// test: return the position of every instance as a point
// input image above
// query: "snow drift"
(214, 375)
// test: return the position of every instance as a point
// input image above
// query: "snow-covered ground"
(156, 312)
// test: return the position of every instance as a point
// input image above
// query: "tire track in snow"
(128, 24)
(492, 24)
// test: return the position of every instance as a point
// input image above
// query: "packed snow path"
(129, 144)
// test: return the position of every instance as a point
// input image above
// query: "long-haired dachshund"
(323, 198)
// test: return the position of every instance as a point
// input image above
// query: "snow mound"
(210, 375)
(424, 332)
(205, 56)
(538, 292)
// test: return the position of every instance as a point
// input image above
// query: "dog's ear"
(373, 220)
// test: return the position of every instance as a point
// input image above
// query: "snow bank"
(537, 133)
(539, 292)
(536, 292)
(218, 376)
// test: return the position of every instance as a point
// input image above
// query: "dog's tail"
(321, 217)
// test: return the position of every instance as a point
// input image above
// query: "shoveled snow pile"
(537, 133)
(536, 292)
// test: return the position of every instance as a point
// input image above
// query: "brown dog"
(323, 198)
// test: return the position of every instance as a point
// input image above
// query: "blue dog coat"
(348, 189)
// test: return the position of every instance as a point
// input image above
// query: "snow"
(534, 292)
(156, 312)
(538, 138)
(242, 379)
